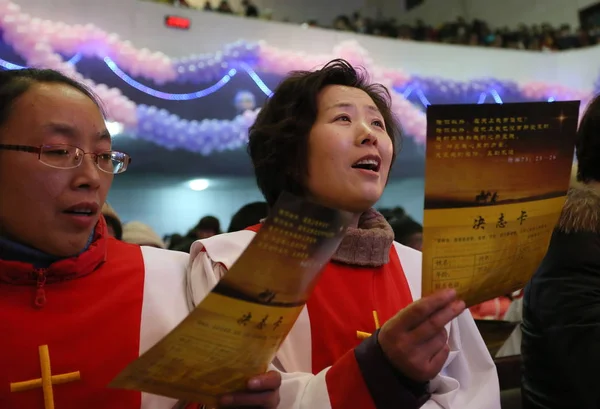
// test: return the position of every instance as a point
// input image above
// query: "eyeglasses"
(70, 157)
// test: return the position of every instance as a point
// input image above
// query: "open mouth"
(83, 210)
(80, 212)
(371, 163)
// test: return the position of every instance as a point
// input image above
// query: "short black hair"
(209, 223)
(14, 83)
(404, 228)
(588, 144)
(278, 140)
(248, 215)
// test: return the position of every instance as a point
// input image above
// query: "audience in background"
(542, 37)
(142, 234)
(250, 10)
(249, 215)
(539, 37)
(172, 241)
(406, 230)
(207, 227)
(224, 7)
(181, 3)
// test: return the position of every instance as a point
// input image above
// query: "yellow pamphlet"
(235, 332)
(496, 178)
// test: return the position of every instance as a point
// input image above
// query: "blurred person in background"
(406, 230)
(207, 227)
(224, 7)
(172, 240)
(113, 222)
(249, 215)
(250, 9)
(142, 235)
(561, 303)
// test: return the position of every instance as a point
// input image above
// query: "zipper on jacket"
(40, 292)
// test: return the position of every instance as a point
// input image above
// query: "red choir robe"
(325, 364)
(96, 313)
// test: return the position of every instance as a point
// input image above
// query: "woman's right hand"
(415, 339)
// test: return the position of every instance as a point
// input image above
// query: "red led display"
(181, 23)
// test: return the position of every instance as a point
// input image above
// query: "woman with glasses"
(76, 307)
(366, 338)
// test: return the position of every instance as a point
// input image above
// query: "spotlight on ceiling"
(198, 184)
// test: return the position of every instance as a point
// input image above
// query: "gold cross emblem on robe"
(364, 335)
(47, 379)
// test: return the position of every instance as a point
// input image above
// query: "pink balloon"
(4, 7)
(78, 31)
(114, 93)
(111, 43)
(118, 105)
(69, 43)
(24, 19)
(54, 65)
(53, 60)
(165, 74)
(46, 25)
(58, 41)
(68, 70)
(9, 22)
(101, 89)
(35, 23)
(99, 37)
(135, 69)
(123, 55)
(40, 52)
(23, 44)
(13, 8)
(144, 52)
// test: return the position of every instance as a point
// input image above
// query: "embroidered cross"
(47, 379)
(364, 335)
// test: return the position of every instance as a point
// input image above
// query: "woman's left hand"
(262, 392)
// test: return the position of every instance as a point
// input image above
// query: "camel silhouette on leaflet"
(486, 197)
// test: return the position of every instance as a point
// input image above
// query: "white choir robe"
(468, 379)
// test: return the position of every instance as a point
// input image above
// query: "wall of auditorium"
(500, 13)
(293, 10)
(322, 11)
(174, 208)
(142, 23)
